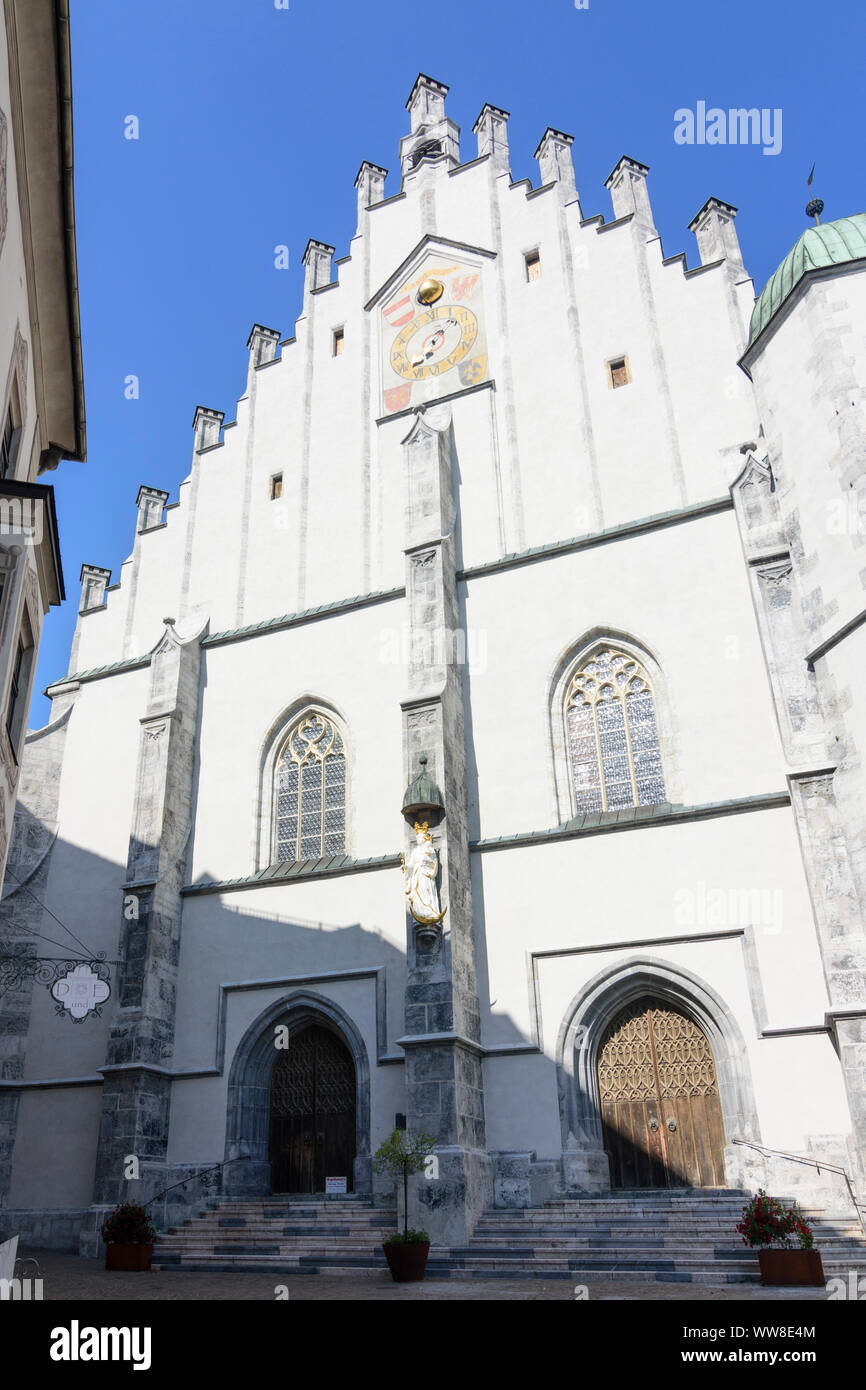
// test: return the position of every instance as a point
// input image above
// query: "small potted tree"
(401, 1154)
(772, 1228)
(129, 1235)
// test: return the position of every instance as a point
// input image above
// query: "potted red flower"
(129, 1235)
(406, 1251)
(772, 1228)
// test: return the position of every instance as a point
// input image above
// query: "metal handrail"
(23, 1260)
(195, 1177)
(818, 1163)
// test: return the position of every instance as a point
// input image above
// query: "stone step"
(705, 1277)
(696, 1204)
(271, 1222)
(656, 1222)
(652, 1220)
(223, 1266)
(723, 1242)
(304, 1213)
(446, 1268)
(646, 1200)
(362, 1203)
(706, 1235)
(282, 1251)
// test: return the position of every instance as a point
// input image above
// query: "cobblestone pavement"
(67, 1277)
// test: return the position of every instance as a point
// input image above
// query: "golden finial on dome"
(429, 291)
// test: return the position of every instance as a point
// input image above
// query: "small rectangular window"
(276, 487)
(19, 687)
(10, 437)
(618, 372)
(532, 261)
(339, 340)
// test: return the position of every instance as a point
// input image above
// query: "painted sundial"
(433, 335)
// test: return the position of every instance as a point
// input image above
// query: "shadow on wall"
(283, 969)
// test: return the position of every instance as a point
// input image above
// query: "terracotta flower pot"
(119, 1255)
(791, 1267)
(407, 1262)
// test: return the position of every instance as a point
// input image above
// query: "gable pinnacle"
(426, 104)
(424, 83)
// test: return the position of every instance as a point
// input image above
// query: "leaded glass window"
(612, 734)
(310, 791)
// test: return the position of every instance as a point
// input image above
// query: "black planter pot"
(407, 1262)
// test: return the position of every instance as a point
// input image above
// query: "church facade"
(477, 740)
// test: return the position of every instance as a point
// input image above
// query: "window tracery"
(310, 791)
(612, 734)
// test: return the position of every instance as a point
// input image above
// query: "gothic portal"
(312, 1112)
(661, 1116)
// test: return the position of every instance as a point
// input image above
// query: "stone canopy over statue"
(419, 876)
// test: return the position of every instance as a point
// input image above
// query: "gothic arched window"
(612, 735)
(310, 791)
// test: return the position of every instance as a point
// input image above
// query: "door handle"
(672, 1124)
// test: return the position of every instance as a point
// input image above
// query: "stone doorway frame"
(585, 1164)
(248, 1117)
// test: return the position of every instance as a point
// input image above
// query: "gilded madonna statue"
(419, 877)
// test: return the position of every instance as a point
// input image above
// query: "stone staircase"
(665, 1237)
(290, 1235)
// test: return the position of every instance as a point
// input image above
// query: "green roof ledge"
(828, 244)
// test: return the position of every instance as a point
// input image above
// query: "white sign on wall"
(80, 992)
(333, 1186)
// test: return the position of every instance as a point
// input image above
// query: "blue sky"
(254, 120)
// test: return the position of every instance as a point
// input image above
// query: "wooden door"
(660, 1108)
(312, 1112)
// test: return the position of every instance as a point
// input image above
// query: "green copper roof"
(422, 794)
(831, 243)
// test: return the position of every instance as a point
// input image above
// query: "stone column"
(206, 424)
(814, 770)
(717, 240)
(370, 184)
(426, 102)
(716, 234)
(429, 125)
(136, 1096)
(628, 190)
(151, 505)
(491, 128)
(317, 261)
(262, 345)
(555, 162)
(94, 582)
(841, 936)
(442, 1043)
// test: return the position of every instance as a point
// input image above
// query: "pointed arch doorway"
(661, 1115)
(312, 1112)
